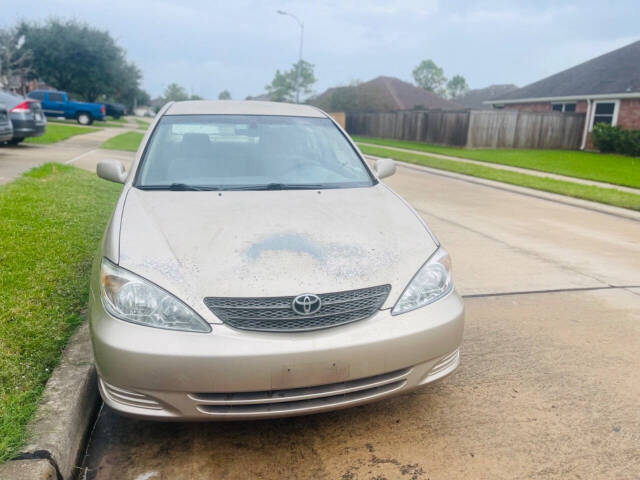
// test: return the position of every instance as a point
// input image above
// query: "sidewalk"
(16, 160)
(528, 171)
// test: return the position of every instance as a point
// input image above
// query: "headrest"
(196, 142)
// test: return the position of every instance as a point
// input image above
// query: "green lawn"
(597, 194)
(129, 141)
(109, 118)
(142, 125)
(56, 132)
(609, 168)
(51, 221)
(68, 121)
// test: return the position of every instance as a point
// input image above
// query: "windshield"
(226, 152)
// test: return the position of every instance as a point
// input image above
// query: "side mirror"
(384, 167)
(112, 170)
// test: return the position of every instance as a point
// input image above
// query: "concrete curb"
(501, 166)
(59, 429)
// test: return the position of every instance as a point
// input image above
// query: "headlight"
(134, 299)
(433, 281)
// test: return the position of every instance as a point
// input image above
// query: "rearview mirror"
(384, 167)
(112, 170)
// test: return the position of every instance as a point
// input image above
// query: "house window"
(563, 107)
(605, 112)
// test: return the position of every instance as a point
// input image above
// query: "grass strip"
(51, 219)
(129, 141)
(601, 167)
(142, 125)
(576, 190)
(56, 133)
(122, 120)
(99, 123)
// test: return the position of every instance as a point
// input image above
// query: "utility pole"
(299, 67)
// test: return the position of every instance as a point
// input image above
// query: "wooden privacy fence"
(474, 128)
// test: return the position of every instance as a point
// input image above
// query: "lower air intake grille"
(275, 314)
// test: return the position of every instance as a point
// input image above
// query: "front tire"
(84, 119)
(15, 140)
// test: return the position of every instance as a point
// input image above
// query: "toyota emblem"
(306, 304)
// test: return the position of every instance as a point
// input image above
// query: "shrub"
(615, 139)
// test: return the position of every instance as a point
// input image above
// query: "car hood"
(271, 243)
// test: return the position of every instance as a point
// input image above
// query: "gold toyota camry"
(255, 266)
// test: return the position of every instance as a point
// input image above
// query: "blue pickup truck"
(57, 104)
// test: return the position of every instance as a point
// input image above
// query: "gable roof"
(475, 98)
(379, 95)
(406, 96)
(614, 72)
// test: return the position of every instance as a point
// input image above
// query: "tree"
(175, 93)
(457, 86)
(283, 86)
(430, 76)
(196, 97)
(224, 95)
(72, 56)
(142, 97)
(127, 90)
(15, 60)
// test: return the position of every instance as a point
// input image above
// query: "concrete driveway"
(548, 386)
(15, 160)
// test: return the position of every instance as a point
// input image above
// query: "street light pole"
(299, 67)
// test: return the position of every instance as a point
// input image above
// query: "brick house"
(606, 89)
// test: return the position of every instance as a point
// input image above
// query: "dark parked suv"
(26, 115)
(116, 110)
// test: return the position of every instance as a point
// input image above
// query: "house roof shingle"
(382, 94)
(614, 72)
(475, 98)
(406, 96)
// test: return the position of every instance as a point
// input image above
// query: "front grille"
(297, 399)
(275, 314)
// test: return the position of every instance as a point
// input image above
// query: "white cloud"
(209, 46)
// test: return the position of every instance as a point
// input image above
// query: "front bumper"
(232, 375)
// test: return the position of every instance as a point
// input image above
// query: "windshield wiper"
(278, 186)
(183, 186)
(178, 187)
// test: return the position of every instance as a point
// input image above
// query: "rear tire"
(15, 140)
(84, 118)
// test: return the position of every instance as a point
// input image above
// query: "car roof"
(242, 107)
(10, 99)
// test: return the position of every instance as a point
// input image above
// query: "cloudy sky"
(208, 46)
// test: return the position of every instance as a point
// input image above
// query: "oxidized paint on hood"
(271, 243)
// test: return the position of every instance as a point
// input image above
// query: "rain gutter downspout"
(585, 131)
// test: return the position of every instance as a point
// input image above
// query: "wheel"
(15, 140)
(84, 119)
